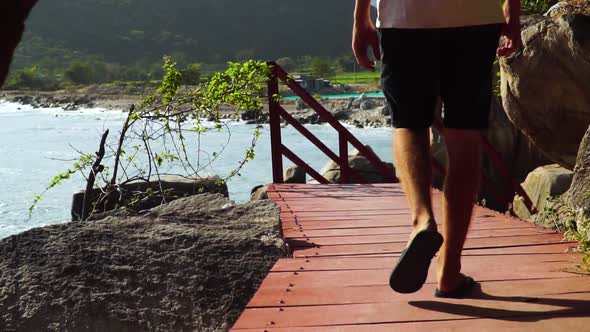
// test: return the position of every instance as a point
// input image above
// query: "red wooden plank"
(534, 323)
(482, 243)
(361, 228)
(380, 277)
(362, 222)
(399, 215)
(296, 296)
(506, 251)
(544, 261)
(435, 310)
(369, 239)
(349, 214)
(352, 232)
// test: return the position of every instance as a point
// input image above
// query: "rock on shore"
(190, 265)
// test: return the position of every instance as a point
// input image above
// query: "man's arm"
(364, 35)
(13, 14)
(511, 31)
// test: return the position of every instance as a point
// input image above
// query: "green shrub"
(191, 74)
(537, 6)
(321, 67)
(32, 78)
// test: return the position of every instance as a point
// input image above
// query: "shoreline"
(362, 112)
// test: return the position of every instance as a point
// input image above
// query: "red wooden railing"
(276, 112)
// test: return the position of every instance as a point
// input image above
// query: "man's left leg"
(460, 193)
(466, 89)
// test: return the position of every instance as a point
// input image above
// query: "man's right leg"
(410, 80)
(413, 167)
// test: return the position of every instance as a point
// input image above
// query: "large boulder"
(578, 196)
(577, 199)
(541, 184)
(545, 87)
(360, 165)
(571, 211)
(259, 193)
(190, 265)
(294, 174)
(174, 187)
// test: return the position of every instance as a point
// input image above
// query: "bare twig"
(120, 146)
(96, 168)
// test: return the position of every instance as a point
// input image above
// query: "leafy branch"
(163, 135)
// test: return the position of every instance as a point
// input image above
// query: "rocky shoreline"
(72, 100)
(360, 112)
(190, 265)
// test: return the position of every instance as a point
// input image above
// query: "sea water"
(37, 144)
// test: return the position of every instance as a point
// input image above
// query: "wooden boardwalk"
(345, 240)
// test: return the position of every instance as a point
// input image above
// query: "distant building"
(312, 83)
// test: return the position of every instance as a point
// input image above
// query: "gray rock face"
(175, 187)
(545, 87)
(368, 105)
(259, 193)
(358, 163)
(578, 195)
(190, 265)
(294, 174)
(357, 102)
(540, 185)
(301, 105)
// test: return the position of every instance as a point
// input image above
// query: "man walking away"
(435, 48)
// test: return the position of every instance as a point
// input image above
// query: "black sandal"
(461, 291)
(411, 270)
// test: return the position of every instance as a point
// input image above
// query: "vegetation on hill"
(213, 31)
(70, 43)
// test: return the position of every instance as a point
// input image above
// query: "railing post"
(344, 167)
(275, 125)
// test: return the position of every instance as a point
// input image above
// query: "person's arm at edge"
(511, 30)
(364, 34)
(12, 26)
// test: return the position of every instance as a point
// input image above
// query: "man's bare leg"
(413, 166)
(460, 192)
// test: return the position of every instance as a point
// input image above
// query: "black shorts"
(419, 65)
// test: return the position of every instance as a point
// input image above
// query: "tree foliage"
(31, 78)
(345, 63)
(321, 67)
(213, 30)
(191, 74)
(537, 6)
(87, 72)
(166, 130)
(287, 63)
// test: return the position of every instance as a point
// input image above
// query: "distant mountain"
(126, 31)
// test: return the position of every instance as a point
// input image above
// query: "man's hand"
(511, 40)
(364, 35)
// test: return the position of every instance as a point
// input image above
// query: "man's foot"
(429, 225)
(411, 270)
(462, 289)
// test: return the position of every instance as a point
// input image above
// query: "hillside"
(128, 31)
